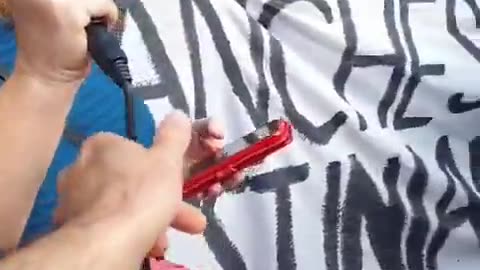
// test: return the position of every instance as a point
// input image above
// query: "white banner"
(384, 172)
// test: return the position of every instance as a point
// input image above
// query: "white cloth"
(384, 169)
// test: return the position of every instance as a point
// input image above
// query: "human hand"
(118, 182)
(52, 42)
(207, 141)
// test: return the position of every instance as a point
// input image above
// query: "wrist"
(50, 74)
(112, 242)
(121, 238)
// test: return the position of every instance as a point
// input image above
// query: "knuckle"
(114, 10)
(112, 152)
(170, 167)
(101, 141)
(67, 178)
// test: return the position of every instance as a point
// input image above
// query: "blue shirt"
(98, 106)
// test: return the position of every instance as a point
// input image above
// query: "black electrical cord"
(109, 56)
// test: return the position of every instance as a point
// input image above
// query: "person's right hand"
(52, 42)
(120, 183)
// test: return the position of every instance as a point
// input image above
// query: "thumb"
(173, 137)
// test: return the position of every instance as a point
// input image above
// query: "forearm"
(96, 247)
(31, 123)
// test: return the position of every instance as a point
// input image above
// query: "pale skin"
(113, 223)
(41, 90)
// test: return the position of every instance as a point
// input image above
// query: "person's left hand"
(208, 140)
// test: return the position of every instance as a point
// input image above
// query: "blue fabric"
(99, 106)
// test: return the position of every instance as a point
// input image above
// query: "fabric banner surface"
(384, 171)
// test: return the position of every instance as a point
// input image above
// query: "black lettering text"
(418, 71)
(169, 86)
(384, 223)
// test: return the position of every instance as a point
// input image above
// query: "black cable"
(109, 56)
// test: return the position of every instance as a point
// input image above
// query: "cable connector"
(107, 53)
(109, 56)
